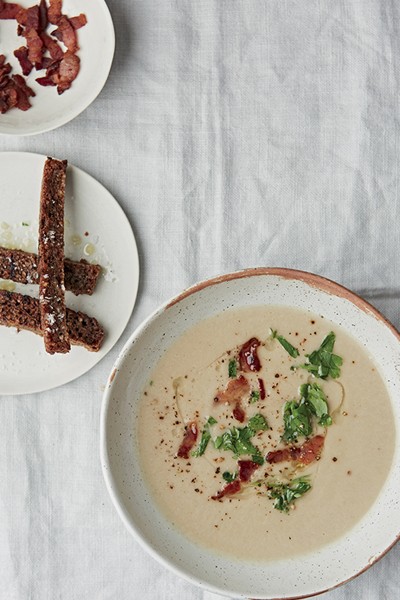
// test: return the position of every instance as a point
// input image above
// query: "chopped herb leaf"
(232, 368)
(297, 421)
(229, 477)
(294, 353)
(322, 362)
(25, 224)
(258, 423)
(238, 439)
(257, 458)
(297, 416)
(284, 495)
(205, 438)
(254, 396)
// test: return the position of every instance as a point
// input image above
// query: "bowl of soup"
(249, 434)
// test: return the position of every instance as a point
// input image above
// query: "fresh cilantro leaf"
(294, 353)
(297, 416)
(257, 458)
(284, 495)
(238, 439)
(254, 396)
(232, 368)
(322, 362)
(315, 398)
(229, 477)
(25, 224)
(258, 423)
(296, 420)
(205, 438)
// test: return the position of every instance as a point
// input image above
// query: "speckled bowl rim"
(317, 281)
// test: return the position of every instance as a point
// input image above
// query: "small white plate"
(49, 110)
(94, 222)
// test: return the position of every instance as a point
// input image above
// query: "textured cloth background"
(234, 133)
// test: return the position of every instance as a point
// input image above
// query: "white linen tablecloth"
(234, 133)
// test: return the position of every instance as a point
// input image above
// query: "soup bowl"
(295, 577)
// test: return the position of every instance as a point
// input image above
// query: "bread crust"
(51, 258)
(22, 267)
(23, 312)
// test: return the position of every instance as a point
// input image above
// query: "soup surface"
(265, 432)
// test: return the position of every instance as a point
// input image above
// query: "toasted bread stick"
(23, 312)
(22, 267)
(51, 258)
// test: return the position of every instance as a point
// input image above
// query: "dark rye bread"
(22, 267)
(23, 312)
(51, 257)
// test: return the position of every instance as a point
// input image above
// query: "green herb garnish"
(322, 362)
(254, 397)
(284, 495)
(297, 421)
(232, 368)
(205, 438)
(25, 224)
(294, 353)
(238, 439)
(297, 416)
(229, 477)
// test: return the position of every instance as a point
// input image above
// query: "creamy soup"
(265, 432)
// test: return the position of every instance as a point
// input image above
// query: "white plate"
(90, 209)
(299, 576)
(49, 110)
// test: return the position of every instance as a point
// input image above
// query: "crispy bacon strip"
(65, 33)
(304, 454)
(189, 440)
(43, 21)
(9, 10)
(22, 55)
(52, 46)
(54, 13)
(228, 490)
(246, 469)
(67, 72)
(234, 391)
(35, 47)
(78, 21)
(248, 357)
(262, 388)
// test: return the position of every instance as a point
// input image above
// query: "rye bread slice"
(53, 320)
(23, 312)
(22, 267)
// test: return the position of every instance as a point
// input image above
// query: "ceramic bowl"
(295, 578)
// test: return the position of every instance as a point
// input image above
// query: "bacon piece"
(234, 391)
(52, 46)
(304, 454)
(54, 13)
(228, 490)
(189, 440)
(9, 10)
(21, 18)
(248, 357)
(22, 55)
(23, 92)
(78, 21)
(32, 18)
(43, 21)
(239, 413)
(246, 469)
(65, 33)
(67, 72)
(35, 47)
(262, 388)
(233, 394)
